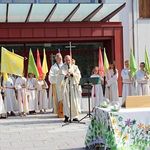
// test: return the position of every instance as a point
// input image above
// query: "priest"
(69, 78)
(55, 94)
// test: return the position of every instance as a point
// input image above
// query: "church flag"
(39, 66)
(147, 62)
(133, 66)
(32, 66)
(44, 64)
(106, 63)
(100, 63)
(11, 63)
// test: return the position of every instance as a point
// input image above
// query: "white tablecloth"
(127, 129)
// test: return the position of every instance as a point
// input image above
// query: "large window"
(85, 54)
(144, 8)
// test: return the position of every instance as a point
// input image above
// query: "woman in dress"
(112, 83)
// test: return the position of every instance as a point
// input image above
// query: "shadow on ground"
(74, 149)
(32, 119)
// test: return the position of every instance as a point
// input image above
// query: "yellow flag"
(11, 62)
(106, 63)
(5, 76)
(44, 64)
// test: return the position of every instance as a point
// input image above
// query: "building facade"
(49, 26)
(135, 18)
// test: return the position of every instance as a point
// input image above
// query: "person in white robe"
(142, 79)
(9, 95)
(80, 89)
(128, 88)
(69, 77)
(15, 102)
(31, 93)
(20, 85)
(3, 113)
(42, 95)
(111, 89)
(97, 91)
(54, 92)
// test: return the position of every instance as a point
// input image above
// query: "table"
(127, 129)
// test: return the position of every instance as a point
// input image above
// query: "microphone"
(68, 66)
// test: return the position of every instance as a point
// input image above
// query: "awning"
(58, 12)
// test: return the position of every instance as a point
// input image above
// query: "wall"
(136, 31)
(124, 16)
(142, 34)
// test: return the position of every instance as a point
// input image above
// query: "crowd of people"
(139, 84)
(20, 95)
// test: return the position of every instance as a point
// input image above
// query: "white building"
(136, 30)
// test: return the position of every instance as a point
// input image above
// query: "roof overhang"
(58, 12)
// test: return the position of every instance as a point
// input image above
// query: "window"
(144, 8)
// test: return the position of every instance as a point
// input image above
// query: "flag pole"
(104, 77)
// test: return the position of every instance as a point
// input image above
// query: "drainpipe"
(133, 36)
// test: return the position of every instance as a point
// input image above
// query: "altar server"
(112, 83)
(142, 79)
(128, 82)
(3, 113)
(42, 94)
(97, 91)
(20, 85)
(15, 102)
(31, 90)
(9, 95)
(69, 78)
(55, 94)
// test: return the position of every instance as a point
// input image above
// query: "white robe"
(97, 92)
(142, 83)
(2, 107)
(15, 102)
(42, 94)
(111, 90)
(128, 88)
(9, 94)
(21, 94)
(75, 93)
(31, 94)
(53, 79)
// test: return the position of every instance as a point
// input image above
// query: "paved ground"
(41, 132)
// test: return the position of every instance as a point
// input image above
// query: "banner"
(100, 63)
(44, 64)
(11, 62)
(106, 63)
(32, 68)
(133, 65)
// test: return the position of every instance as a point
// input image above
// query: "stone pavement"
(41, 132)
